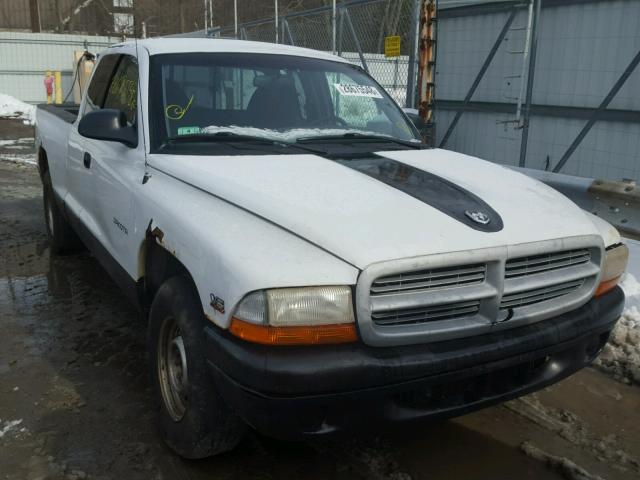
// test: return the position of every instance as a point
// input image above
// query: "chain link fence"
(356, 31)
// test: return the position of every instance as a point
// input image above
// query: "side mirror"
(108, 124)
(415, 118)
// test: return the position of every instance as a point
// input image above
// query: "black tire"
(206, 426)
(61, 236)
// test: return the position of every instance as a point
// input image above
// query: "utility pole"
(276, 17)
(333, 27)
(427, 68)
(183, 25)
(235, 17)
(34, 12)
(210, 15)
(526, 111)
(410, 101)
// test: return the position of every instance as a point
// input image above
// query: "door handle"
(87, 160)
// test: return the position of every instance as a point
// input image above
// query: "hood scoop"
(441, 194)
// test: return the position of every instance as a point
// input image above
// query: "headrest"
(272, 81)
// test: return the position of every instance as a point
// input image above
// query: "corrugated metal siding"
(582, 51)
(27, 56)
(463, 45)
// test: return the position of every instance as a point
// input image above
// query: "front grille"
(470, 292)
(447, 311)
(519, 267)
(447, 277)
(538, 295)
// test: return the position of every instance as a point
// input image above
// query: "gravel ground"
(75, 400)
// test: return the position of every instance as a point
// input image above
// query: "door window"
(99, 83)
(123, 90)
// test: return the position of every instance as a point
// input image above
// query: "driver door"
(80, 175)
(118, 171)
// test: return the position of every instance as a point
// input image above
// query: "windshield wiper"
(220, 137)
(359, 136)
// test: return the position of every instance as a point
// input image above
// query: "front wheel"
(61, 236)
(194, 420)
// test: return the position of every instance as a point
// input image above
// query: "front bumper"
(290, 392)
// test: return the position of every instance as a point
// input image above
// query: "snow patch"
(11, 107)
(17, 143)
(288, 135)
(562, 465)
(21, 159)
(8, 426)
(631, 288)
(621, 356)
(568, 426)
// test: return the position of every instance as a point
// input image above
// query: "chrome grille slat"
(435, 273)
(530, 297)
(428, 314)
(547, 262)
(429, 298)
(550, 261)
(429, 279)
(552, 277)
(429, 284)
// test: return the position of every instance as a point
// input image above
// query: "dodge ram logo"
(478, 217)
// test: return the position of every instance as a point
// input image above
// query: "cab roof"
(156, 46)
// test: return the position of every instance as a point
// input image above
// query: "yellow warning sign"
(392, 46)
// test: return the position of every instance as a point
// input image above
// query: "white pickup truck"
(306, 264)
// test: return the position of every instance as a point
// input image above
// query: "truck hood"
(363, 220)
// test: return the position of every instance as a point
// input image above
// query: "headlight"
(615, 263)
(296, 316)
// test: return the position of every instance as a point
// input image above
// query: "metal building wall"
(27, 56)
(583, 48)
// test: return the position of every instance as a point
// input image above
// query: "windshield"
(283, 98)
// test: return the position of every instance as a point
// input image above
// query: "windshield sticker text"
(351, 90)
(176, 112)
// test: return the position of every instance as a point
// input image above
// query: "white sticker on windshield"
(352, 90)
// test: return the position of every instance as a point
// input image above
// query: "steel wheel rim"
(172, 369)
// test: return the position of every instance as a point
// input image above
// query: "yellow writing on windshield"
(176, 112)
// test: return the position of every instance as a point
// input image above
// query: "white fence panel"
(27, 56)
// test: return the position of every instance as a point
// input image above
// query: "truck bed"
(65, 111)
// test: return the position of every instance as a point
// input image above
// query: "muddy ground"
(75, 400)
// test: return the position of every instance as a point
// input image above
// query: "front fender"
(608, 232)
(228, 251)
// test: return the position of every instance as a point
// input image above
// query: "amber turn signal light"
(607, 286)
(615, 263)
(294, 335)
